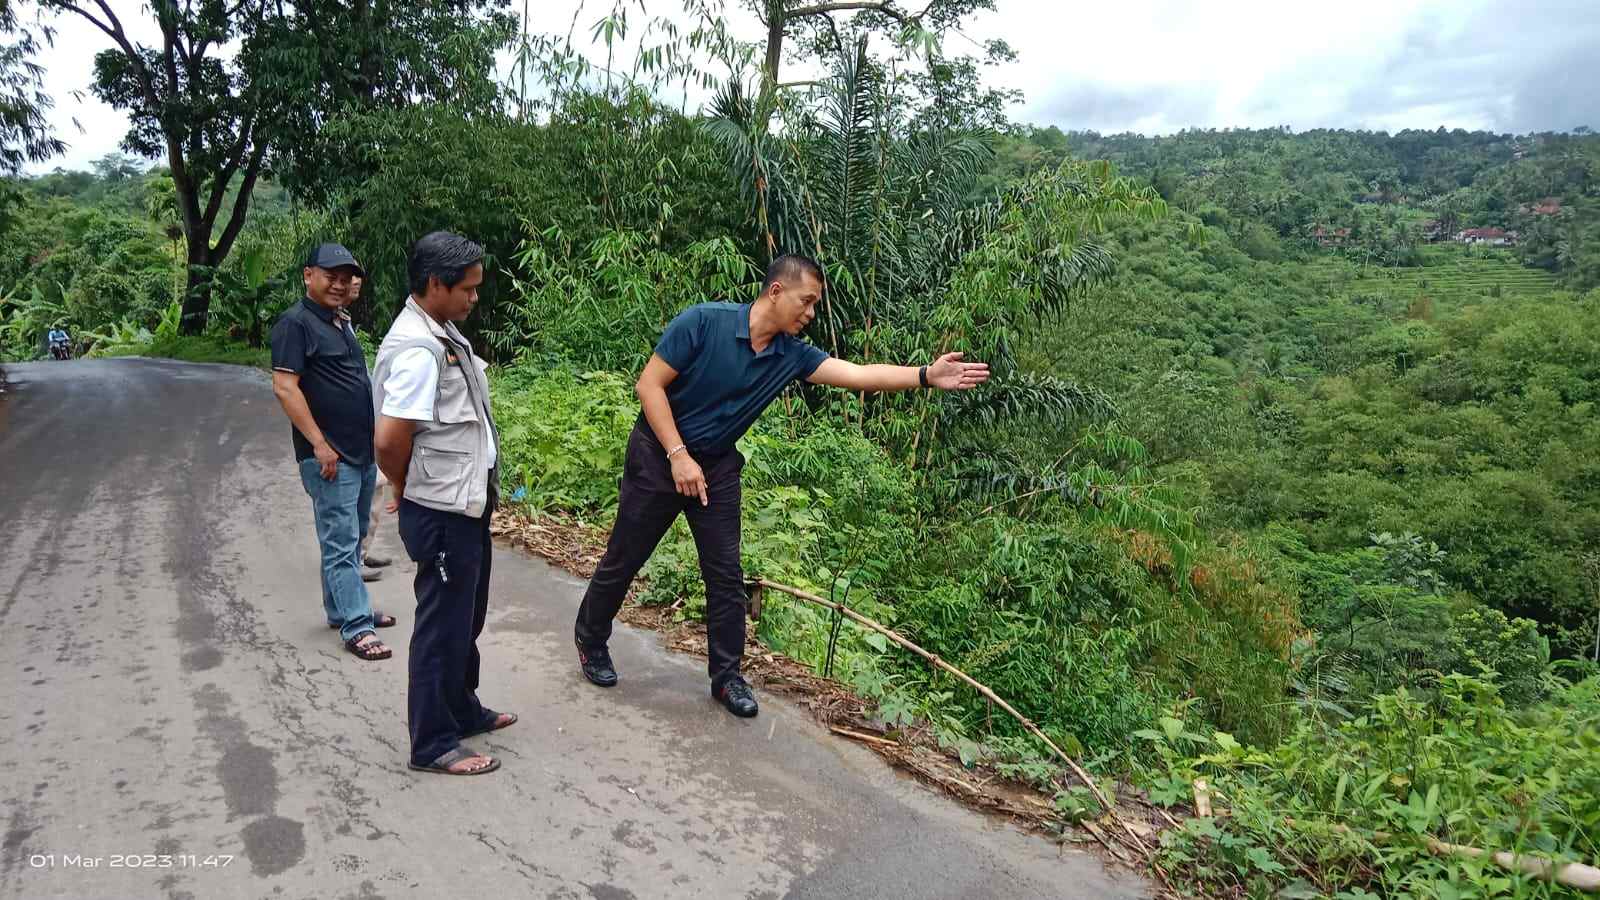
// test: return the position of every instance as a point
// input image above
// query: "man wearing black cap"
(319, 374)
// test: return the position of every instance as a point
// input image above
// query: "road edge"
(570, 546)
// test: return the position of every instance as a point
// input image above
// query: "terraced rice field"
(1464, 278)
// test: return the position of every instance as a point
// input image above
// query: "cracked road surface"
(173, 697)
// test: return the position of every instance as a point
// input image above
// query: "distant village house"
(1330, 237)
(1489, 237)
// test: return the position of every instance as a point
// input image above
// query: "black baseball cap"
(334, 256)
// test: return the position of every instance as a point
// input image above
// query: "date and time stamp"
(129, 861)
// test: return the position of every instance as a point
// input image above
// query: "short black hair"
(790, 267)
(441, 255)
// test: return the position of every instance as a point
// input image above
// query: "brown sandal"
(371, 650)
(441, 766)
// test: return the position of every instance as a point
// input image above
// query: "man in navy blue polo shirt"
(319, 376)
(716, 367)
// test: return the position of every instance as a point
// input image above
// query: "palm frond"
(940, 168)
(1043, 400)
(1126, 500)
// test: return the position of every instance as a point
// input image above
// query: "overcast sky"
(1157, 66)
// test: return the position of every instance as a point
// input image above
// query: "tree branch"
(235, 157)
(108, 29)
(780, 19)
(112, 27)
(187, 190)
(169, 38)
(878, 6)
(241, 204)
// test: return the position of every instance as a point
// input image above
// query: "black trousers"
(646, 507)
(453, 555)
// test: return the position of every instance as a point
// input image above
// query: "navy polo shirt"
(315, 343)
(722, 385)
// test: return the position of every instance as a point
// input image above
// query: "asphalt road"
(178, 722)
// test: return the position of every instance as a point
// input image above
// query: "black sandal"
(492, 719)
(441, 766)
(371, 650)
(382, 620)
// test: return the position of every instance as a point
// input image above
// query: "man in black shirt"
(716, 367)
(319, 374)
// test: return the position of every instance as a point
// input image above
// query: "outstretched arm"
(949, 373)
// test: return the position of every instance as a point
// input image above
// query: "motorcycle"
(60, 349)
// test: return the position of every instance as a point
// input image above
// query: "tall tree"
(236, 90)
(25, 135)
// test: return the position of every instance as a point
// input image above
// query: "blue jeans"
(342, 508)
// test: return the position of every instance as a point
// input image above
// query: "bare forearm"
(947, 373)
(658, 412)
(294, 406)
(395, 463)
(393, 445)
(879, 377)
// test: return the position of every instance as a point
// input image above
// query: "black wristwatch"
(922, 375)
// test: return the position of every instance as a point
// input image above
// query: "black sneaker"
(596, 664)
(736, 695)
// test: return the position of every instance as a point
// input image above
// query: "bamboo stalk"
(863, 736)
(1574, 875)
(936, 662)
(1202, 798)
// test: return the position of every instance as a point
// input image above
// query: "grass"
(206, 349)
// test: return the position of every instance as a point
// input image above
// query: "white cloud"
(1161, 65)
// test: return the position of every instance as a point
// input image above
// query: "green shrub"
(604, 305)
(1363, 797)
(563, 435)
(206, 348)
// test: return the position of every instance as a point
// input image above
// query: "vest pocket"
(455, 400)
(445, 474)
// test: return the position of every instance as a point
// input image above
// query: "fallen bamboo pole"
(936, 662)
(863, 736)
(1574, 875)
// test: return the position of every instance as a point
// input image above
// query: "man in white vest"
(437, 444)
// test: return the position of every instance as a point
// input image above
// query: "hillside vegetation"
(1315, 519)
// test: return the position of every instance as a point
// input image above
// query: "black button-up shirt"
(317, 344)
